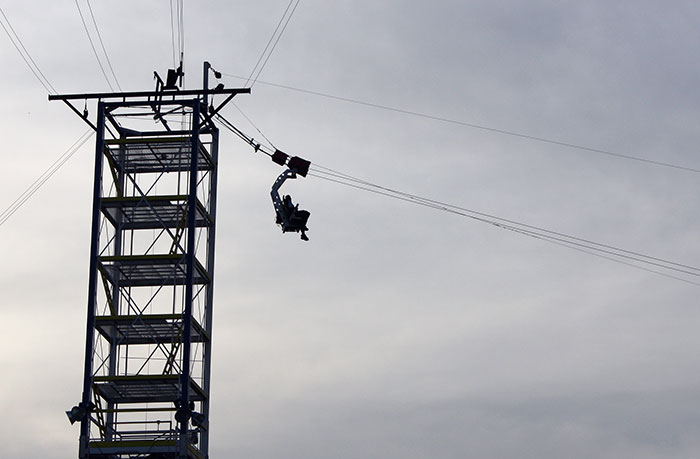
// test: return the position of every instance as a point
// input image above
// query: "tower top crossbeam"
(148, 94)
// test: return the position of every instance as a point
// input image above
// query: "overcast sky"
(397, 331)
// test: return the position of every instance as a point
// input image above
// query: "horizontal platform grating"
(152, 212)
(144, 389)
(156, 154)
(150, 270)
(155, 448)
(147, 329)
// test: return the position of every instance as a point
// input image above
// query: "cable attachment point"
(295, 163)
(279, 157)
(299, 165)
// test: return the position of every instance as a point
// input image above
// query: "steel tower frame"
(147, 370)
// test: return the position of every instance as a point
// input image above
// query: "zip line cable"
(249, 140)
(177, 26)
(252, 72)
(269, 42)
(564, 242)
(477, 126)
(43, 178)
(180, 26)
(52, 169)
(254, 125)
(178, 22)
(99, 36)
(627, 257)
(274, 45)
(578, 249)
(526, 229)
(553, 234)
(92, 45)
(56, 165)
(172, 34)
(14, 38)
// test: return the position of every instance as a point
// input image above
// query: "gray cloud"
(397, 331)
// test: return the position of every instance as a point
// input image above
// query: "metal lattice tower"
(148, 348)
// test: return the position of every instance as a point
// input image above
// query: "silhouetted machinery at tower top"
(288, 214)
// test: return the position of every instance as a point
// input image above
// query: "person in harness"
(287, 214)
(291, 218)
